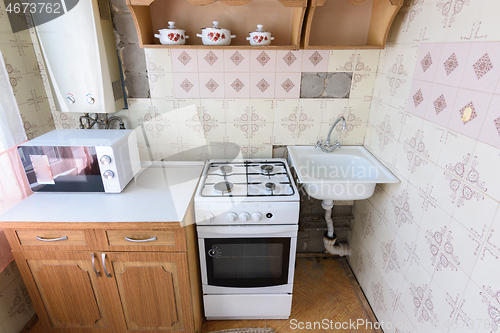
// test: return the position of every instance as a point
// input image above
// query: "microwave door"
(62, 169)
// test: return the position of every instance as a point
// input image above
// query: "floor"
(325, 290)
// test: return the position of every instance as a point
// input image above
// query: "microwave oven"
(81, 160)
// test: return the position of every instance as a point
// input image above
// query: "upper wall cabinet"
(283, 18)
(349, 24)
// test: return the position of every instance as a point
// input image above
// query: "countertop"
(161, 192)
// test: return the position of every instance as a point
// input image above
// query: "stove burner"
(267, 168)
(224, 187)
(226, 168)
(270, 186)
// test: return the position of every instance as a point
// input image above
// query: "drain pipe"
(329, 238)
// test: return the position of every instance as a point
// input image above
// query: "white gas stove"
(247, 216)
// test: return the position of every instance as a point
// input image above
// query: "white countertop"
(159, 193)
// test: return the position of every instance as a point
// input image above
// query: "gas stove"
(247, 192)
(247, 215)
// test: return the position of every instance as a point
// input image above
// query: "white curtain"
(13, 183)
(11, 124)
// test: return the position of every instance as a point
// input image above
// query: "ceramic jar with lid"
(216, 35)
(260, 37)
(172, 35)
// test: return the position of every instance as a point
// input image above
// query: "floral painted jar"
(260, 37)
(172, 35)
(216, 35)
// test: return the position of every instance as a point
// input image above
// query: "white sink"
(347, 173)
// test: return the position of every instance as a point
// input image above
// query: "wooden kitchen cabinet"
(349, 24)
(107, 283)
(283, 18)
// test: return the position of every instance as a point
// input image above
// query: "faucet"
(326, 147)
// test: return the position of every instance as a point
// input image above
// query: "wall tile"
(262, 85)
(482, 68)
(315, 60)
(158, 60)
(184, 60)
(287, 85)
(263, 108)
(186, 85)
(262, 61)
(164, 110)
(441, 104)
(478, 302)
(479, 103)
(237, 61)
(486, 168)
(427, 62)
(490, 132)
(419, 98)
(462, 21)
(161, 85)
(455, 147)
(237, 85)
(342, 61)
(452, 63)
(210, 61)
(288, 61)
(211, 85)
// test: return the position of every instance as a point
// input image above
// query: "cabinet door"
(65, 290)
(154, 290)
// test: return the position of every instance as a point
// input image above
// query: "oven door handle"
(266, 231)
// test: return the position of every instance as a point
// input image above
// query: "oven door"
(247, 259)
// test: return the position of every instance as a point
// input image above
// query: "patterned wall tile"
(263, 61)
(342, 61)
(186, 85)
(287, 85)
(482, 68)
(237, 61)
(161, 85)
(463, 21)
(211, 61)
(315, 60)
(184, 60)
(211, 85)
(440, 106)
(427, 61)
(158, 60)
(237, 85)
(419, 98)
(288, 61)
(451, 63)
(476, 101)
(262, 85)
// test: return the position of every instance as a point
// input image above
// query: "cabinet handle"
(93, 265)
(103, 256)
(51, 239)
(140, 240)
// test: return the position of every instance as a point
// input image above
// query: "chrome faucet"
(326, 147)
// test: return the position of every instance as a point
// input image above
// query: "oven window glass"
(247, 262)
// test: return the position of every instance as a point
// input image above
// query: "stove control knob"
(209, 217)
(256, 216)
(231, 217)
(244, 216)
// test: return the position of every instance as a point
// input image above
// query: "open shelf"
(349, 24)
(283, 18)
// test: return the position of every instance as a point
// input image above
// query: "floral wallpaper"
(426, 251)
